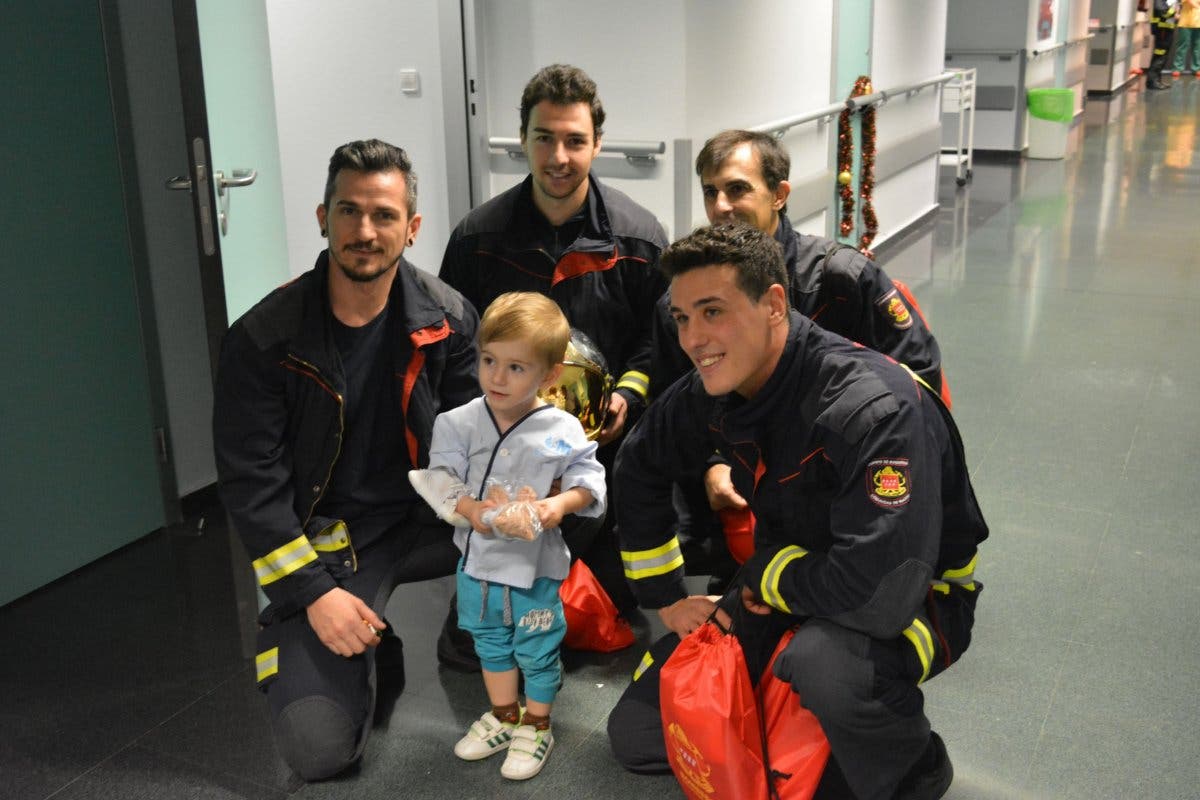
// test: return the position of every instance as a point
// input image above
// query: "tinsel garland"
(866, 175)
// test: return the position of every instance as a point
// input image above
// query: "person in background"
(588, 247)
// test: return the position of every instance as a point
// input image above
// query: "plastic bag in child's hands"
(514, 516)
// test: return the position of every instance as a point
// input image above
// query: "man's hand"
(344, 623)
(719, 488)
(684, 616)
(752, 603)
(618, 409)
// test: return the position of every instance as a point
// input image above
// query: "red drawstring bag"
(592, 620)
(710, 718)
(796, 745)
(715, 724)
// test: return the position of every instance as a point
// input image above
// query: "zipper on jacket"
(341, 405)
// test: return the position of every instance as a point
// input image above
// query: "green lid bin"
(1055, 105)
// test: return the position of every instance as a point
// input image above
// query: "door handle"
(238, 177)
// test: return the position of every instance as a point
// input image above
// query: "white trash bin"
(1050, 115)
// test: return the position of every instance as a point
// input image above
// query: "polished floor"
(1065, 297)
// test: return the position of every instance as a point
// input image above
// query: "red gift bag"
(796, 745)
(710, 718)
(715, 724)
(592, 620)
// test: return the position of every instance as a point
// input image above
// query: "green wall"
(76, 452)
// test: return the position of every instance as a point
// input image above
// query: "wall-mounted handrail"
(882, 96)
(951, 53)
(1071, 43)
(637, 152)
(780, 127)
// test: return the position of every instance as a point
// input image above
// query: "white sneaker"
(528, 753)
(487, 735)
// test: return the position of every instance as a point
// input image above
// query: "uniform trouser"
(1187, 43)
(321, 703)
(1162, 45)
(863, 690)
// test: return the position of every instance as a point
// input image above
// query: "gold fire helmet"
(584, 386)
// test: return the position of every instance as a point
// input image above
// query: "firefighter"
(867, 524)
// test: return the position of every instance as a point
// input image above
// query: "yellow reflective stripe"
(963, 576)
(636, 382)
(648, 563)
(922, 642)
(940, 586)
(769, 587)
(267, 663)
(647, 662)
(335, 537)
(284, 561)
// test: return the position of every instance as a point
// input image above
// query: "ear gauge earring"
(410, 241)
(323, 234)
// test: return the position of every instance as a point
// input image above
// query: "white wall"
(908, 45)
(667, 71)
(685, 70)
(729, 87)
(337, 80)
(634, 52)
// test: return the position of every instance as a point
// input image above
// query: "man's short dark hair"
(775, 161)
(562, 85)
(372, 155)
(756, 256)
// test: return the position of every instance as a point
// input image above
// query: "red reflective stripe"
(759, 471)
(410, 380)
(572, 265)
(425, 336)
(420, 338)
(803, 461)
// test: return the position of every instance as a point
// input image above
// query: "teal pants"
(1187, 41)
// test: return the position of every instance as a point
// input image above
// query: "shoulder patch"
(893, 307)
(888, 482)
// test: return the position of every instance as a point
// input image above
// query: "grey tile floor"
(1065, 296)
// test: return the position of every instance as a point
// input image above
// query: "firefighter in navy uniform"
(325, 398)
(1162, 22)
(744, 176)
(588, 247)
(867, 522)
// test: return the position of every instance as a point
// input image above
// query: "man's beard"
(361, 277)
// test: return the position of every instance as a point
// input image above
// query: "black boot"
(931, 776)
(455, 647)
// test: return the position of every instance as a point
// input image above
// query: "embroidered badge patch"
(888, 482)
(893, 305)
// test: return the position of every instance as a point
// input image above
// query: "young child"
(491, 465)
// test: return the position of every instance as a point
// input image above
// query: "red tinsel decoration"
(866, 175)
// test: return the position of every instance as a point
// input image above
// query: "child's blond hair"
(527, 317)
